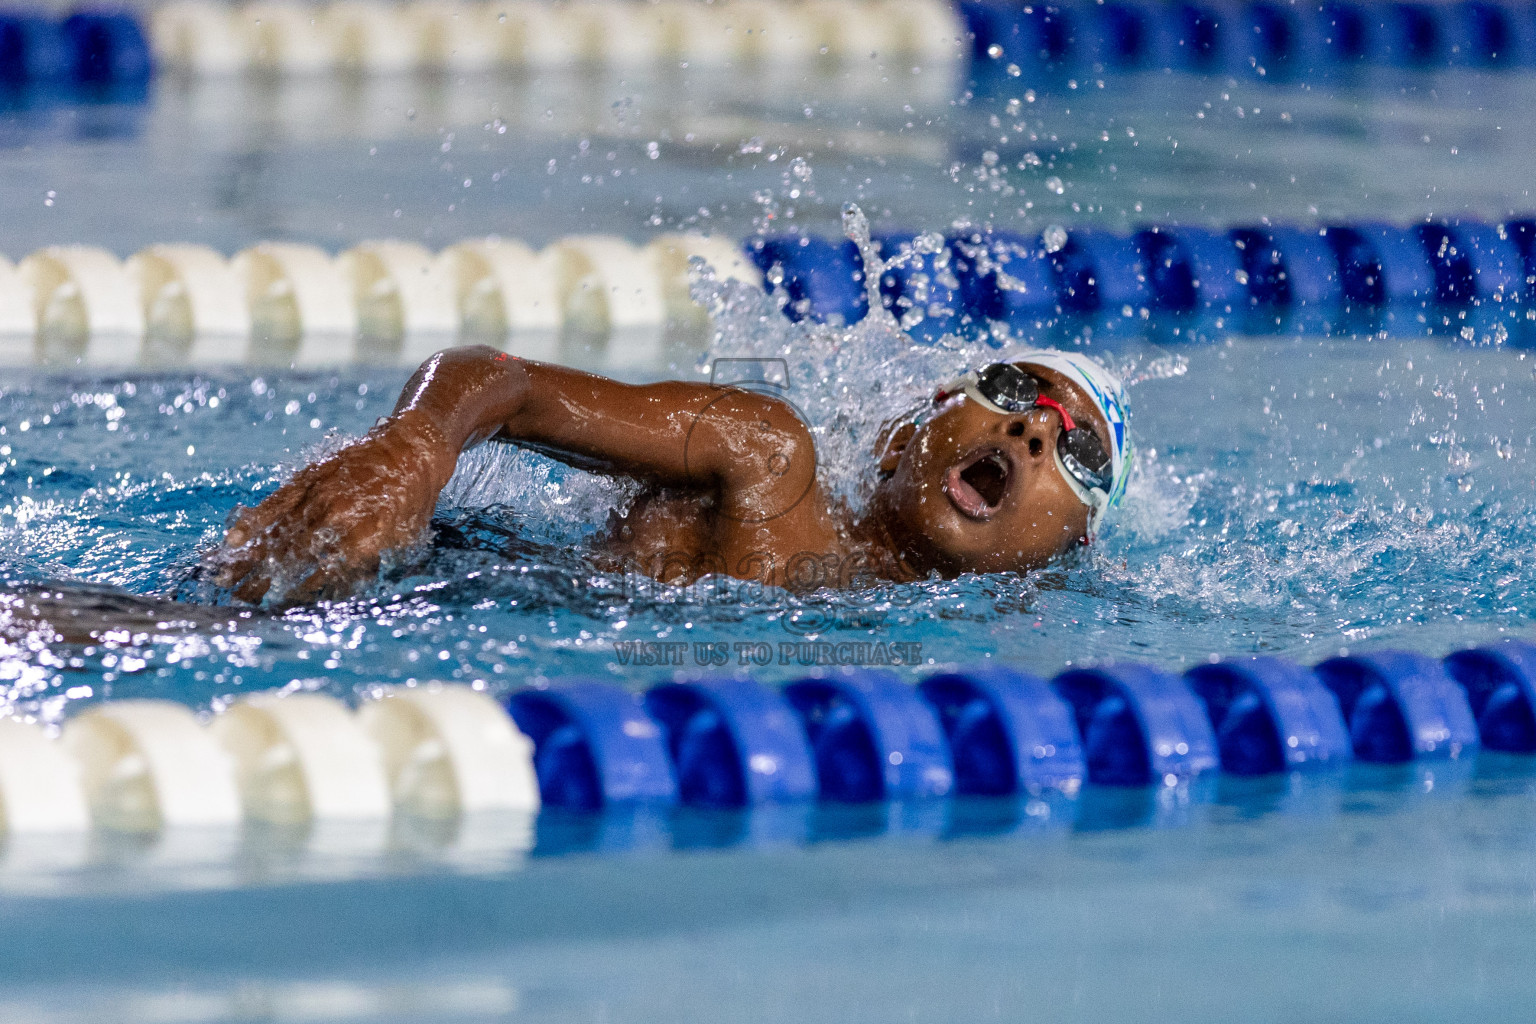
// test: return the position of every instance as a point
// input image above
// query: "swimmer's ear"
(893, 442)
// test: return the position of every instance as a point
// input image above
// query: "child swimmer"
(1007, 467)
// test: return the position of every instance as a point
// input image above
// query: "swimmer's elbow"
(764, 445)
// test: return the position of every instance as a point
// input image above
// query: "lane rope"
(1276, 40)
(207, 38)
(999, 40)
(601, 301)
(444, 751)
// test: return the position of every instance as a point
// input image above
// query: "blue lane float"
(820, 278)
(1271, 716)
(1011, 279)
(107, 49)
(1008, 732)
(1139, 725)
(594, 746)
(88, 52)
(32, 52)
(874, 738)
(1401, 706)
(1500, 681)
(1263, 39)
(1003, 276)
(861, 737)
(1099, 270)
(915, 279)
(1191, 268)
(733, 743)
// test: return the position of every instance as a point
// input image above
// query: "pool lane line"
(200, 38)
(1256, 40)
(725, 742)
(598, 300)
(995, 42)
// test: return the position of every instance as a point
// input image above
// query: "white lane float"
(546, 36)
(585, 299)
(504, 296)
(302, 757)
(86, 306)
(450, 750)
(301, 305)
(931, 34)
(194, 37)
(194, 304)
(637, 35)
(372, 38)
(40, 784)
(671, 257)
(148, 764)
(404, 301)
(18, 318)
(611, 298)
(777, 36)
(287, 39)
(463, 38)
(351, 37)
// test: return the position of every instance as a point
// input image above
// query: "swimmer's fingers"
(331, 580)
(247, 543)
(340, 564)
(326, 555)
(248, 524)
(352, 559)
(252, 589)
(325, 529)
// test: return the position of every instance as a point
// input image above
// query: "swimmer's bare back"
(731, 475)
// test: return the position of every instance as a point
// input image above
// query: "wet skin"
(730, 484)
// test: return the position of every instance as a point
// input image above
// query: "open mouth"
(978, 485)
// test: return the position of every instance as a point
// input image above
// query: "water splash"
(844, 381)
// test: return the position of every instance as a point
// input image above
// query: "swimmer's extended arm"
(326, 528)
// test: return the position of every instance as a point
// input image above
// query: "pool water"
(1297, 495)
(1291, 497)
(334, 162)
(1390, 895)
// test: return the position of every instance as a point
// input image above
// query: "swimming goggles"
(1008, 389)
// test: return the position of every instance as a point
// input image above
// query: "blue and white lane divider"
(999, 39)
(1276, 39)
(847, 737)
(600, 300)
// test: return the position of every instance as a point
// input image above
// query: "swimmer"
(1007, 467)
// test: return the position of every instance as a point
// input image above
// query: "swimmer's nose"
(1035, 431)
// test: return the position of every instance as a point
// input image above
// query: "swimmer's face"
(972, 490)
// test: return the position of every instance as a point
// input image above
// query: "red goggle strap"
(1051, 403)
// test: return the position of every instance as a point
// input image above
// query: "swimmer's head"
(1009, 465)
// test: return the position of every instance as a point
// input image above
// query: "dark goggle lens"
(1085, 458)
(1008, 387)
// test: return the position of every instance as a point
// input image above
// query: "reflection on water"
(336, 161)
(1237, 903)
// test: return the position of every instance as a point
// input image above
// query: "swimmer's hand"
(322, 533)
